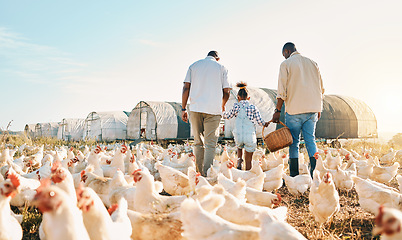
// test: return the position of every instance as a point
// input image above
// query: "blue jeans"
(302, 123)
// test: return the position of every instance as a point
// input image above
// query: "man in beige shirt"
(300, 88)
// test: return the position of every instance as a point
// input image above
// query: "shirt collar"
(210, 57)
(294, 53)
(243, 102)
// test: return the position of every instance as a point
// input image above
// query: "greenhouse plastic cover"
(71, 129)
(159, 114)
(106, 126)
(46, 129)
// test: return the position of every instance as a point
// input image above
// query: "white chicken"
(343, 178)
(297, 185)
(273, 178)
(27, 190)
(273, 162)
(100, 185)
(96, 218)
(272, 228)
(148, 200)
(10, 228)
(373, 194)
(253, 196)
(199, 224)
(384, 174)
(242, 213)
(61, 218)
(117, 162)
(389, 157)
(388, 223)
(246, 175)
(62, 178)
(174, 181)
(323, 197)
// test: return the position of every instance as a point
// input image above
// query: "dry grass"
(351, 222)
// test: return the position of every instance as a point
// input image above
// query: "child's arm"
(258, 118)
(232, 113)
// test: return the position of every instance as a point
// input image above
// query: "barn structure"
(346, 117)
(71, 129)
(46, 129)
(157, 121)
(106, 126)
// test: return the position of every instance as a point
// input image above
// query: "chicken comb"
(316, 155)
(30, 161)
(55, 166)
(198, 174)
(43, 184)
(112, 209)
(14, 180)
(347, 155)
(132, 156)
(279, 197)
(326, 151)
(378, 219)
(82, 173)
(71, 148)
(135, 171)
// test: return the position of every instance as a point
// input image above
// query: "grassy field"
(351, 222)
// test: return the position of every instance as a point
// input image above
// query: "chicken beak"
(377, 231)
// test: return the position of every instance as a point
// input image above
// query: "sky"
(65, 59)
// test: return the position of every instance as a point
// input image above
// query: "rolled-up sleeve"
(188, 76)
(225, 82)
(282, 82)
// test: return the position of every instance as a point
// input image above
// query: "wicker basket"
(278, 139)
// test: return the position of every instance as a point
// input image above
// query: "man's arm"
(277, 115)
(226, 94)
(184, 99)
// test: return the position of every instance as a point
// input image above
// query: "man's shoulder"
(207, 62)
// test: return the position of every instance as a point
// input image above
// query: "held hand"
(184, 116)
(319, 115)
(223, 108)
(266, 124)
(275, 117)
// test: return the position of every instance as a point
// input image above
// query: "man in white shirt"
(207, 86)
(300, 87)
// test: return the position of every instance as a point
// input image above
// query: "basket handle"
(263, 128)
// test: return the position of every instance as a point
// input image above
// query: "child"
(244, 133)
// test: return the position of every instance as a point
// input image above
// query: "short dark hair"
(213, 54)
(289, 46)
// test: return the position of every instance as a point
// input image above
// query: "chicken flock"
(148, 192)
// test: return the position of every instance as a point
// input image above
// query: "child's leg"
(239, 158)
(240, 153)
(248, 158)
